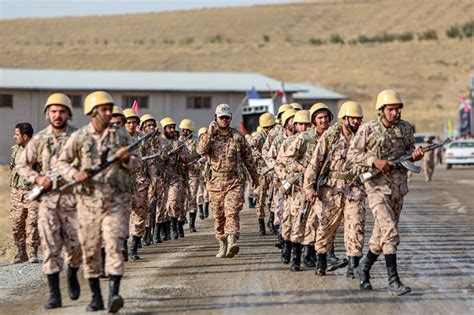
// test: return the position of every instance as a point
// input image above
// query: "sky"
(11, 9)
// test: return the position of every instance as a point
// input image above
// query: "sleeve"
(314, 165)
(27, 159)
(290, 155)
(204, 145)
(247, 158)
(267, 146)
(358, 153)
(64, 164)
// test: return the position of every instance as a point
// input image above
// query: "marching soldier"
(24, 213)
(296, 106)
(428, 161)
(175, 169)
(374, 145)
(187, 128)
(202, 194)
(228, 152)
(337, 195)
(57, 215)
(266, 122)
(118, 118)
(141, 182)
(102, 201)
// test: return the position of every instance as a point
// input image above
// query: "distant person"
(438, 152)
(24, 213)
(428, 161)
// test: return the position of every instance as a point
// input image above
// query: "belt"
(231, 174)
(344, 176)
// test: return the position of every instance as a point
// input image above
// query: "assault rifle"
(105, 162)
(197, 160)
(170, 152)
(304, 211)
(405, 161)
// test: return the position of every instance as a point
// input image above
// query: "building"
(194, 95)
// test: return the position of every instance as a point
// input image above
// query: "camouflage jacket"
(191, 145)
(228, 153)
(17, 181)
(256, 143)
(281, 168)
(141, 179)
(274, 132)
(274, 149)
(175, 164)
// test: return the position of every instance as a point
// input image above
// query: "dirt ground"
(436, 258)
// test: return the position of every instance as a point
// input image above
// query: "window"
(76, 101)
(198, 102)
(127, 101)
(6, 100)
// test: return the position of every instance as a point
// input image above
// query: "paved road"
(436, 258)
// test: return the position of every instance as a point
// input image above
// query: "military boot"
(192, 222)
(124, 250)
(102, 263)
(206, 209)
(174, 229)
(286, 252)
(296, 262)
(33, 255)
(134, 248)
(333, 262)
(115, 300)
(309, 260)
(167, 231)
(54, 300)
(363, 270)
(232, 247)
(157, 232)
(73, 283)
(181, 228)
(353, 264)
(222, 249)
(21, 255)
(201, 211)
(395, 286)
(96, 303)
(280, 242)
(270, 225)
(321, 265)
(164, 229)
(146, 237)
(261, 225)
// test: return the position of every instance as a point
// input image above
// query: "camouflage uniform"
(341, 197)
(57, 218)
(429, 165)
(256, 143)
(227, 155)
(385, 192)
(24, 213)
(193, 177)
(101, 201)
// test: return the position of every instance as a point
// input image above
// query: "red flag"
(242, 128)
(135, 107)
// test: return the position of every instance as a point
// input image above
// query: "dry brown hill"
(282, 41)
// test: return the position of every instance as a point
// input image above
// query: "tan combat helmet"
(302, 117)
(350, 109)
(388, 97)
(287, 115)
(130, 113)
(146, 118)
(95, 99)
(187, 124)
(58, 99)
(201, 131)
(282, 109)
(266, 120)
(296, 106)
(317, 107)
(117, 111)
(167, 121)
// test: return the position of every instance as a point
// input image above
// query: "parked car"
(460, 152)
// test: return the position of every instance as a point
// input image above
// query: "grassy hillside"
(295, 42)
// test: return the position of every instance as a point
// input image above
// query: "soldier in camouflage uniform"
(57, 215)
(187, 128)
(375, 144)
(228, 152)
(202, 194)
(266, 122)
(102, 201)
(24, 213)
(176, 175)
(429, 161)
(338, 190)
(141, 182)
(118, 118)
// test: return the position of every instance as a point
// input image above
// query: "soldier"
(187, 128)
(57, 215)
(24, 213)
(118, 118)
(141, 182)
(266, 122)
(202, 194)
(438, 152)
(175, 170)
(296, 106)
(341, 196)
(428, 161)
(102, 201)
(228, 152)
(375, 143)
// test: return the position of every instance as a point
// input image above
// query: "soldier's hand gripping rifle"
(170, 152)
(405, 161)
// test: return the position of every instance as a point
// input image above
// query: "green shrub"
(405, 37)
(216, 39)
(315, 41)
(364, 39)
(188, 40)
(266, 38)
(468, 29)
(428, 35)
(454, 31)
(336, 39)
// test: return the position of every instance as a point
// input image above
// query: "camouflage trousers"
(139, 211)
(335, 206)
(202, 194)
(261, 193)
(311, 224)
(24, 219)
(175, 200)
(227, 198)
(58, 229)
(386, 210)
(428, 169)
(191, 197)
(161, 215)
(275, 206)
(287, 217)
(298, 226)
(101, 223)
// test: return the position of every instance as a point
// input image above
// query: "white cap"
(223, 110)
